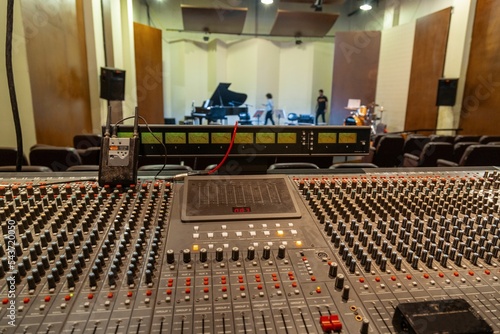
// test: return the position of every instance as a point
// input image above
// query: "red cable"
(213, 170)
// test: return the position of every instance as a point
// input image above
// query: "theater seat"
(293, 165)
(55, 157)
(430, 154)
(8, 157)
(476, 155)
(387, 153)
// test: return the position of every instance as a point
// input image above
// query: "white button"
(86, 304)
(290, 224)
(293, 232)
(278, 224)
(210, 234)
(168, 299)
(432, 282)
(414, 283)
(296, 291)
(205, 297)
(226, 245)
(187, 298)
(243, 295)
(267, 233)
(127, 302)
(107, 303)
(224, 227)
(196, 228)
(264, 225)
(365, 286)
(239, 234)
(250, 225)
(253, 233)
(210, 246)
(20, 308)
(261, 294)
(196, 235)
(224, 296)
(224, 234)
(269, 243)
(279, 292)
(382, 286)
(42, 307)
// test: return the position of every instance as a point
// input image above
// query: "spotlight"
(365, 6)
(266, 2)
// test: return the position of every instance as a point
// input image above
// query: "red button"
(242, 288)
(361, 280)
(377, 279)
(259, 286)
(313, 278)
(149, 292)
(47, 299)
(393, 278)
(294, 284)
(277, 286)
(110, 295)
(169, 292)
(318, 289)
(6, 300)
(205, 290)
(408, 276)
(426, 275)
(90, 296)
(224, 289)
(441, 275)
(67, 297)
(188, 290)
(129, 294)
(26, 300)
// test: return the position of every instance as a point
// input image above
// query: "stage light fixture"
(266, 2)
(365, 6)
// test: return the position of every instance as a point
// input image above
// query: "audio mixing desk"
(373, 251)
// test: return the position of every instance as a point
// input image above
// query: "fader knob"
(250, 253)
(235, 253)
(170, 256)
(339, 282)
(332, 272)
(186, 255)
(281, 251)
(203, 255)
(266, 253)
(219, 254)
(345, 292)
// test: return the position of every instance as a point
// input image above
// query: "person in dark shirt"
(321, 106)
(269, 109)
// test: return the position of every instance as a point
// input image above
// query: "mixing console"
(378, 252)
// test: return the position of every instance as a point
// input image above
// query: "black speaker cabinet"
(112, 84)
(447, 92)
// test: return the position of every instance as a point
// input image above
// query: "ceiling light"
(266, 2)
(365, 6)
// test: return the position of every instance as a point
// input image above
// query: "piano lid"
(223, 97)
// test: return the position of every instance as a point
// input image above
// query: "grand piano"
(222, 103)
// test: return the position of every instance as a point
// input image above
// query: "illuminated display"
(125, 134)
(327, 138)
(175, 138)
(151, 138)
(221, 138)
(347, 138)
(265, 138)
(244, 138)
(287, 138)
(242, 209)
(198, 138)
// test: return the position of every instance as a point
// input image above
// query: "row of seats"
(395, 150)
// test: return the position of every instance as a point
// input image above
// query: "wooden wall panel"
(57, 61)
(355, 69)
(429, 51)
(149, 72)
(481, 103)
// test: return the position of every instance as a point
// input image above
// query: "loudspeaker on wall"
(447, 92)
(112, 84)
